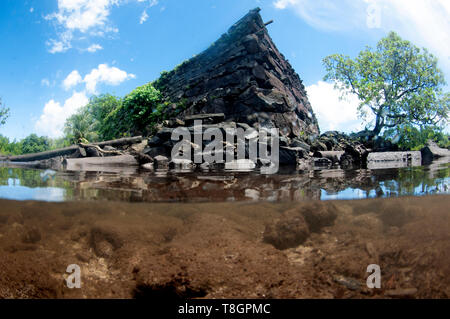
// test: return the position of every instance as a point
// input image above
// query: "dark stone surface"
(432, 151)
(245, 77)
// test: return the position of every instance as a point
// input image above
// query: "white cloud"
(333, 113)
(144, 17)
(61, 45)
(94, 48)
(83, 15)
(54, 115)
(51, 122)
(102, 74)
(45, 82)
(77, 19)
(105, 74)
(73, 79)
(426, 23)
(326, 14)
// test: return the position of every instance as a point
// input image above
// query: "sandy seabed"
(226, 250)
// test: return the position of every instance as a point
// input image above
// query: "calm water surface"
(143, 186)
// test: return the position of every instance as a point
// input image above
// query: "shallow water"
(143, 186)
(225, 234)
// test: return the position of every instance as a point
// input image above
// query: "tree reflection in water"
(139, 186)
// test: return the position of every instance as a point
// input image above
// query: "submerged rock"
(31, 235)
(291, 230)
(432, 151)
(104, 241)
(319, 215)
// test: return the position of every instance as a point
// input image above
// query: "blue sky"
(56, 53)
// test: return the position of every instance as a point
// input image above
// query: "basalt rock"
(347, 150)
(432, 151)
(243, 77)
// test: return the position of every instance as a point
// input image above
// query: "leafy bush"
(409, 137)
(80, 127)
(108, 117)
(9, 148)
(90, 122)
(35, 144)
(4, 113)
(100, 108)
(141, 108)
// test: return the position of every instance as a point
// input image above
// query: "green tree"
(35, 144)
(4, 113)
(409, 137)
(9, 148)
(95, 121)
(398, 82)
(141, 108)
(100, 107)
(108, 117)
(81, 127)
(60, 142)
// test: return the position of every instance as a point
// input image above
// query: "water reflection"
(29, 184)
(161, 186)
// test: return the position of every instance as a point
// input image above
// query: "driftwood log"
(71, 150)
(100, 150)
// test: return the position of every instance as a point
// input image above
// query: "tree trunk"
(378, 127)
(68, 150)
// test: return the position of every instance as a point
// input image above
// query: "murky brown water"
(226, 250)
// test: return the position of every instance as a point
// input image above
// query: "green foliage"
(32, 178)
(9, 148)
(81, 127)
(409, 137)
(115, 124)
(59, 143)
(35, 144)
(417, 179)
(31, 144)
(160, 84)
(93, 122)
(141, 109)
(4, 113)
(398, 82)
(106, 117)
(100, 109)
